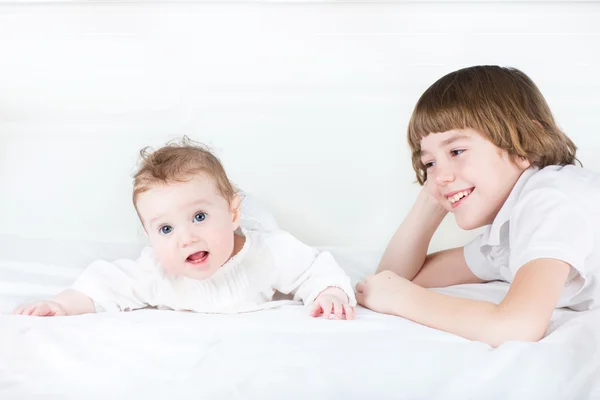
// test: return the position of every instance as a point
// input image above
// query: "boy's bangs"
(428, 119)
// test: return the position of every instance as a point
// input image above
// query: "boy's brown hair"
(177, 162)
(502, 103)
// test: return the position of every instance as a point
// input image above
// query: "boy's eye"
(166, 229)
(457, 152)
(429, 164)
(199, 217)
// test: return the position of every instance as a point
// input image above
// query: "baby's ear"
(235, 208)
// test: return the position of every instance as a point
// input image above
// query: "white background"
(306, 103)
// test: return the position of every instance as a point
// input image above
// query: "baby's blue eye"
(166, 229)
(200, 217)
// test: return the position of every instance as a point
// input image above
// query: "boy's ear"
(522, 162)
(235, 210)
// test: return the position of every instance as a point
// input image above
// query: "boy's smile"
(469, 175)
(456, 198)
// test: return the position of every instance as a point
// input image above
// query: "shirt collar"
(491, 234)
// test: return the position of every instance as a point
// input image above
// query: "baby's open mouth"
(198, 257)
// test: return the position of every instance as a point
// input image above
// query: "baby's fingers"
(327, 307)
(316, 309)
(27, 310)
(37, 310)
(338, 309)
(349, 311)
(42, 310)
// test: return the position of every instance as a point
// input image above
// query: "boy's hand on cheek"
(332, 301)
(381, 292)
(431, 197)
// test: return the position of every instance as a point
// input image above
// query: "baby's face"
(190, 226)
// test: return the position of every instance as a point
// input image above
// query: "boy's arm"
(446, 268)
(406, 254)
(523, 315)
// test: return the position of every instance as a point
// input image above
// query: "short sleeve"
(121, 285)
(547, 223)
(478, 263)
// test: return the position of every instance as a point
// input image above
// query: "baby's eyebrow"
(201, 202)
(195, 203)
(153, 220)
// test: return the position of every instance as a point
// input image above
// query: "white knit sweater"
(268, 262)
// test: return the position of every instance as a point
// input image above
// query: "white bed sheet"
(272, 354)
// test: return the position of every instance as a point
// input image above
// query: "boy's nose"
(444, 176)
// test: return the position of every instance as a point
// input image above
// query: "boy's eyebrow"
(448, 141)
(189, 205)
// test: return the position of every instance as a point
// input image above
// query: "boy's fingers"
(360, 298)
(360, 287)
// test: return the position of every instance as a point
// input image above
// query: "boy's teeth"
(458, 196)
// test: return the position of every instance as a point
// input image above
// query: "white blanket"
(272, 354)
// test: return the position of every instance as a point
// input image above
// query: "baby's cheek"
(167, 259)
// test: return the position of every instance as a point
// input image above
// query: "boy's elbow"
(515, 329)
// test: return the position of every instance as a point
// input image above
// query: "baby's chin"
(187, 272)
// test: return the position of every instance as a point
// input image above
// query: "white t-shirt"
(268, 262)
(550, 213)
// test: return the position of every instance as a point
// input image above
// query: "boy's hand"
(382, 292)
(431, 198)
(41, 309)
(332, 301)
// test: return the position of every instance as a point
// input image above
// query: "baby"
(200, 258)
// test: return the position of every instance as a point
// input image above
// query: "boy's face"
(469, 175)
(190, 226)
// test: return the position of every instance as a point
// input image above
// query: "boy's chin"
(468, 224)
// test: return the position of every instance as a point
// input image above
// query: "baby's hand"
(41, 309)
(332, 301)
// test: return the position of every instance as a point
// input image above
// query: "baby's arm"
(312, 276)
(104, 286)
(406, 254)
(67, 302)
